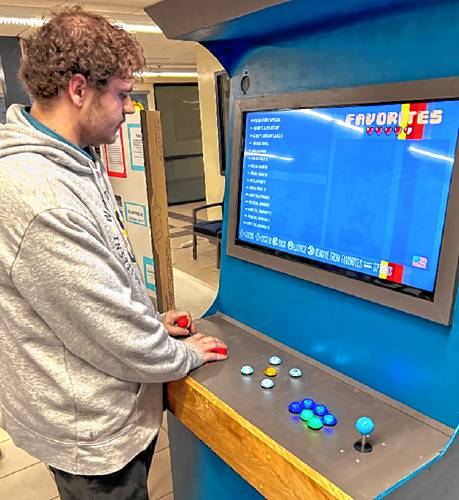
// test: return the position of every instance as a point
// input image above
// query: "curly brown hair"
(76, 41)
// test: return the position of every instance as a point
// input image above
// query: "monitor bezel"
(441, 308)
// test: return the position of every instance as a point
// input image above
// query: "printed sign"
(149, 273)
(136, 146)
(114, 156)
(136, 213)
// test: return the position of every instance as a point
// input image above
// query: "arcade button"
(295, 407)
(267, 383)
(270, 372)
(320, 410)
(182, 321)
(315, 423)
(365, 427)
(295, 373)
(329, 420)
(275, 360)
(306, 415)
(247, 370)
(308, 404)
(220, 350)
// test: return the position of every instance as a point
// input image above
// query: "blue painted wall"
(410, 359)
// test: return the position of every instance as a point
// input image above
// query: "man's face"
(104, 112)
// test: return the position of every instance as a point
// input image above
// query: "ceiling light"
(36, 22)
(22, 21)
(167, 74)
(139, 28)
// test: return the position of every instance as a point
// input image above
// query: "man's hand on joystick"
(179, 323)
(182, 321)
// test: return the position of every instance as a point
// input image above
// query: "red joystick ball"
(220, 350)
(182, 321)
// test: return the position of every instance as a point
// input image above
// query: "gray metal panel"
(439, 480)
(403, 439)
(10, 53)
(177, 18)
(440, 310)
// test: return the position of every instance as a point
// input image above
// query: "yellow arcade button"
(270, 372)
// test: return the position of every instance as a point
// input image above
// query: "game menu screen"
(359, 190)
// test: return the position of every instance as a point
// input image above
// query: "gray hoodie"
(82, 351)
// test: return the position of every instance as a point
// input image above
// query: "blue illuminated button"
(295, 407)
(295, 373)
(308, 404)
(320, 410)
(247, 370)
(306, 415)
(329, 420)
(267, 383)
(275, 360)
(364, 425)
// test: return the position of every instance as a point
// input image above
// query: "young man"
(83, 354)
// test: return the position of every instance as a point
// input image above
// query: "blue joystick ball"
(295, 407)
(364, 425)
(308, 404)
(320, 410)
(329, 419)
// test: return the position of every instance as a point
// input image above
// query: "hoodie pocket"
(104, 405)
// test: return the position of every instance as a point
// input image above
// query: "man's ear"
(78, 89)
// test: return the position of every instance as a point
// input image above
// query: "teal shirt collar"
(46, 130)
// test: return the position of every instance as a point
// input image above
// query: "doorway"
(181, 124)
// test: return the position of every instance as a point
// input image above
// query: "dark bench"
(210, 229)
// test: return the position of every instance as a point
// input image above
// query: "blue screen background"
(317, 186)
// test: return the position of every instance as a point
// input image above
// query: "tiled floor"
(23, 477)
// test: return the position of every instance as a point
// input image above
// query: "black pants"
(129, 483)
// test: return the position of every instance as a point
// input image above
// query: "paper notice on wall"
(136, 146)
(136, 213)
(115, 159)
(149, 273)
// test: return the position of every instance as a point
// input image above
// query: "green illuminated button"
(315, 423)
(306, 415)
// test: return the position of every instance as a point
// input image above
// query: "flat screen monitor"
(352, 189)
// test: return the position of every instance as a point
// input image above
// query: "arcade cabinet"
(339, 256)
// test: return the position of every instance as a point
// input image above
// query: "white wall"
(208, 65)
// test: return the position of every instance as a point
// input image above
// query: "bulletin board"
(134, 182)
